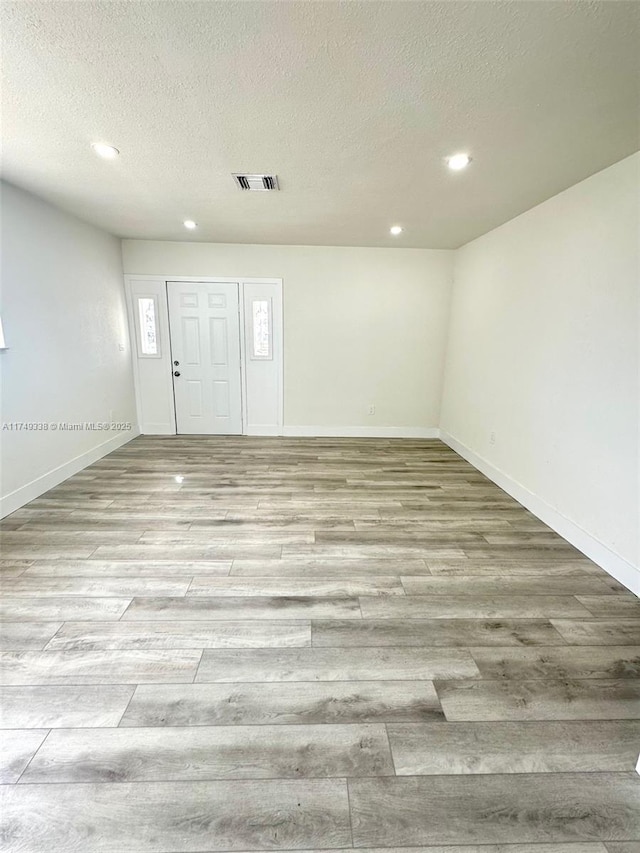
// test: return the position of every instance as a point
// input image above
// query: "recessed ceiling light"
(458, 161)
(395, 230)
(106, 151)
(190, 224)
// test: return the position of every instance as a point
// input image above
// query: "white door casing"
(205, 341)
(262, 382)
(262, 368)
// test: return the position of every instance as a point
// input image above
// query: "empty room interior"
(320, 426)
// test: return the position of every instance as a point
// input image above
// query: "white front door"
(205, 353)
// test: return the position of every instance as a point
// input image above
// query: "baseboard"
(360, 432)
(317, 431)
(615, 565)
(14, 500)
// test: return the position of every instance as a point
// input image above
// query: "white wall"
(64, 319)
(361, 326)
(543, 350)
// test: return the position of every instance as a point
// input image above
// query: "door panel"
(219, 345)
(190, 341)
(194, 398)
(205, 341)
(221, 398)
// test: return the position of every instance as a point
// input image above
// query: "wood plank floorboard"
(18, 748)
(476, 607)
(127, 568)
(21, 636)
(197, 551)
(247, 634)
(24, 550)
(520, 585)
(60, 536)
(243, 607)
(495, 809)
(175, 817)
(502, 568)
(120, 586)
(540, 747)
(561, 663)
(335, 664)
(324, 568)
(283, 703)
(579, 847)
(605, 606)
(544, 699)
(434, 633)
(599, 632)
(57, 608)
(96, 706)
(11, 572)
(295, 588)
(309, 644)
(98, 667)
(205, 754)
(360, 550)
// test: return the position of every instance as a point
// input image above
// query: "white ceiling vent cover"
(257, 183)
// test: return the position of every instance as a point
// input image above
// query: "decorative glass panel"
(261, 346)
(148, 327)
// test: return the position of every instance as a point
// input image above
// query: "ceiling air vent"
(257, 183)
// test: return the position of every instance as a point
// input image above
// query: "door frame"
(157, 285)
(229, 308)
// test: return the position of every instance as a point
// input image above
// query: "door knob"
(176, 373)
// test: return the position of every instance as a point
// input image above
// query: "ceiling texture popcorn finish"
(354, 105)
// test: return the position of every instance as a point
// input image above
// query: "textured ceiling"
(353, 104)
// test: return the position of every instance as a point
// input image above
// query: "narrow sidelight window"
(148, 344)
(262, 344)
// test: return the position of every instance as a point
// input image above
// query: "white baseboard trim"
(360, 432)
(615, 565)
(14, 500)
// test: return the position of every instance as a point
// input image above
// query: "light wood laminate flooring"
(309, 644)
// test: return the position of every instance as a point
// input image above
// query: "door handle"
(176, 373)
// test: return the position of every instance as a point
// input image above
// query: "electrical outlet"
(371, 410)
(492, 437)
